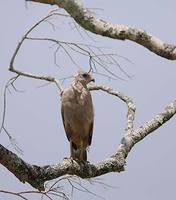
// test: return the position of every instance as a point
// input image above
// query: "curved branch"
(122, 32)
(37, 175)
(150, 126)
(27, 74)
(126, 99)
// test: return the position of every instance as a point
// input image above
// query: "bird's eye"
(85, 75)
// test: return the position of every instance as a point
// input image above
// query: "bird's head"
(84, 77)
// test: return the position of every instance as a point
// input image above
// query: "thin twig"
(85, 50)
(10, 81)
(13, 193)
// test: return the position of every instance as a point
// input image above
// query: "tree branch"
(27, 74)
(121, 32)
(37, 175)
(83, 49)
(149, 127)
(93, 53)
(126, 99)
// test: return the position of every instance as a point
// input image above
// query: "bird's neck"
(78, 86)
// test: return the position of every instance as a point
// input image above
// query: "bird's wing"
(90, 133)
(90, 113)
(66, 126)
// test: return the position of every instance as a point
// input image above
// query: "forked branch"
(27, 74)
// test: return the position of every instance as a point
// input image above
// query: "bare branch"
(83, 49)
(131, 138)
(95, 55)
(47, 193)
(10, 82)
(13, 193)
(12, 140)
(30, 75)
(126, 99)
(77, 185)
(121, 32)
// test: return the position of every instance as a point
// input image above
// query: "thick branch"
(130, 139)
(149, 127)
(22, 170)
(37, 175)
(122, 32)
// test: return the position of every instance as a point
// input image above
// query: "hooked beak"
(93, 80)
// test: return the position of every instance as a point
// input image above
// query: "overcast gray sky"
(33, 117)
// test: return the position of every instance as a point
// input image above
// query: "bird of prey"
(78, 115)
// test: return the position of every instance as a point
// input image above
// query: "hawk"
(78, 115)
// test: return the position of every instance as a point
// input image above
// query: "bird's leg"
(72, 157)
(81, 158)
(71, 153)
(83, 153)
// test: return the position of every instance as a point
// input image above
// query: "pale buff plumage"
(78, 116)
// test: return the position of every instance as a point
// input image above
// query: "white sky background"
(33, 117)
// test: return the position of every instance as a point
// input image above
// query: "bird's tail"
(78, 153)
